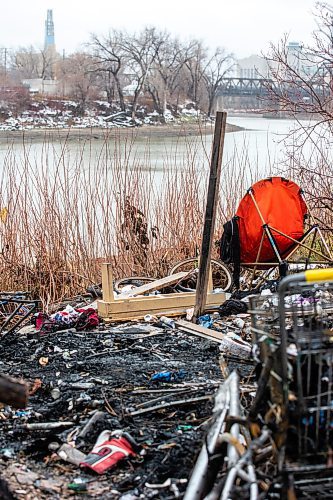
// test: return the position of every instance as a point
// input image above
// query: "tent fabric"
(282, 207)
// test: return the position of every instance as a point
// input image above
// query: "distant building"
(49, 41)
(294, 55)
(129, 90)
(251, 67)
(257, 67)
(41, 86)
(298, 61)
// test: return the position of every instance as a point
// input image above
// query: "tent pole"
(266, 229)
(302, 244)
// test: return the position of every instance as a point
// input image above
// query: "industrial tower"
(49, 31)
(49, 47)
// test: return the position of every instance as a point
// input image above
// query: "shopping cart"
(306, 329)
(15, 310)
(293, 341)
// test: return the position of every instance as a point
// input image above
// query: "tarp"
(282, 206)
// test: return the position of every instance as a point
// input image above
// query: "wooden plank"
(154, 304)
(167, 305)
(138, 316)
(199, 330)
(210, 213)
(107, 282)
(155, 285)
(140, 298)
(162, 301)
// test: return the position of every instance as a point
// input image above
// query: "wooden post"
(210, 286)
(107, 283)
(210, 214)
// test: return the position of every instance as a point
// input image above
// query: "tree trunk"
(135, 104)
(120, 95)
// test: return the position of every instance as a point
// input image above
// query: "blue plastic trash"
(169, 376)
(205, 321)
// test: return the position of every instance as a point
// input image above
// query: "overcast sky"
(243, 27)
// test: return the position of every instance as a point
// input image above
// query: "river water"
(253, 152)
(87, 181)
(257, 147)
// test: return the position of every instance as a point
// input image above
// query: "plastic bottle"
(149, 318)
(168, 322)
(71, 454)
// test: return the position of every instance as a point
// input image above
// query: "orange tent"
(282, 207)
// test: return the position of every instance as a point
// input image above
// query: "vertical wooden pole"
(210, 286)
(107, 283)
(210, 214)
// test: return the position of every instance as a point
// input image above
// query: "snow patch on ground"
(64, 114)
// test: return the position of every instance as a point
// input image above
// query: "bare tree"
(142, 50)
(302, 75)
(78, 76)
(164, 79)
(110, 62)
(158, 64)
(33, 63)
(194, 63)
(26, 61)
(216, 68)
(302, 87)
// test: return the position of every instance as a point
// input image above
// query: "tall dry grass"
(68, 212)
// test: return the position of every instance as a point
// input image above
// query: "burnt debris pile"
(153, 384)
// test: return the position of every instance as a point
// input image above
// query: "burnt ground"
(107, 371)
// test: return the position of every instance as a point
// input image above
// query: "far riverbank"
(97, 133)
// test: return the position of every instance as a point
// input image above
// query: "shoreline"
(97, 133)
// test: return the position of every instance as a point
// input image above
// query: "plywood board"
(155, 285)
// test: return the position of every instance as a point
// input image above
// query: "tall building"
(294, 55)
(300, 61)
(49, 31)
(251, 67)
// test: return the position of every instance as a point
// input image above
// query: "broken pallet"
(125, 308)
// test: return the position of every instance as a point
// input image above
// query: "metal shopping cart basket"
(15, 310)
(306, 329)
(293, 340)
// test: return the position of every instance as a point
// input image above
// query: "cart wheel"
(131, 280)
(222, 277)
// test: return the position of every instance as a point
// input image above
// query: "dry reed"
(71, 208)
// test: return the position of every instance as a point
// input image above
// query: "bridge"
(244, 87)
(260, 87)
